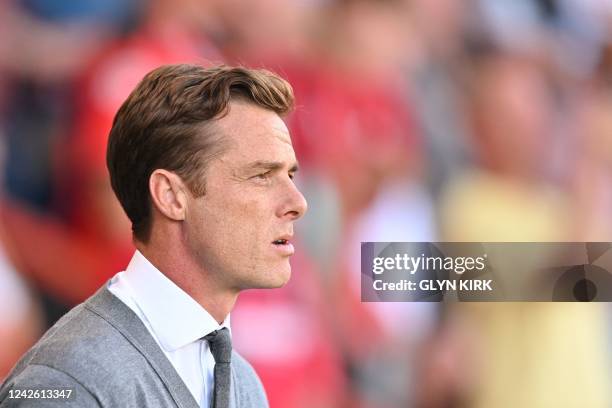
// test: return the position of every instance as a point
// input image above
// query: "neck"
(179, 266)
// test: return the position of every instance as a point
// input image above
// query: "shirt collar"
(174, 316)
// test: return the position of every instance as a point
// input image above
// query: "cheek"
(241, 223)
(245, 244)
(251, 223)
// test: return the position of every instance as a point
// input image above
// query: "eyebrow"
(271, 165)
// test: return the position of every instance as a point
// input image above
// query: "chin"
(277, 278)
(280, 279)
(267, 276)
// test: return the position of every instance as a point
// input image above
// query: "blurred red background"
(416, 120)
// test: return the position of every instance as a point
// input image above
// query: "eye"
(291, 176)
(262, 176)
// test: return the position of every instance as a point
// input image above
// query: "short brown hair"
(164, 124)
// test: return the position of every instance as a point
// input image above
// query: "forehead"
(255, 133)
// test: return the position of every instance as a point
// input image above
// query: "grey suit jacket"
(104, 353)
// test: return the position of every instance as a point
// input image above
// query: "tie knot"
(220, 345)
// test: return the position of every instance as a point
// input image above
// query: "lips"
(283, 245)
(283, 240)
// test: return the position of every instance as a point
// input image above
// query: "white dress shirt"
(174, 319)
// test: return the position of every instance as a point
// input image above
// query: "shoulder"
(79, 343)
(249, 390)
(82, 350)
(43, 386)
(67, 357)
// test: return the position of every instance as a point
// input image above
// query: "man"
(203, 166)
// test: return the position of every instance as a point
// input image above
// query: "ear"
(168, 194)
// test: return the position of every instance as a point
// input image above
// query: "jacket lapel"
(122, 318)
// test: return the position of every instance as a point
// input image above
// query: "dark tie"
(221, 348)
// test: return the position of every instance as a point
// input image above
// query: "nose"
(294, 204)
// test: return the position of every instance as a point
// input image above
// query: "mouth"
(283, 245)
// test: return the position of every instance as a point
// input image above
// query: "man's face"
(240, 231)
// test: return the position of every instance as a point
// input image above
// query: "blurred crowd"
(416, 120)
